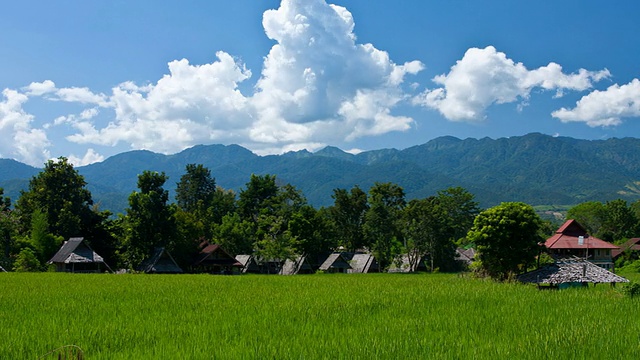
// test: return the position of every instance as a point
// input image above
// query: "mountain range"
(536, 169)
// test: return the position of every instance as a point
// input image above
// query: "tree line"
(273, 220)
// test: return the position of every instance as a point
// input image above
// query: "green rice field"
(350, 316)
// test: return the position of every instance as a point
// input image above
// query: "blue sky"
(88, 80)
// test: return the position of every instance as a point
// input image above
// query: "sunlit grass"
(435, 316)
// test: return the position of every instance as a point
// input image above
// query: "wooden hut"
(76, 256)
(406, 265)
(213, 259)
(249, 264)
(299, 265)
(361, 263)
(569, 272)
(335, 263)
(160, 262)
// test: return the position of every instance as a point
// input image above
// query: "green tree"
(59, 192)
(591, 215)
(275, 241)
(26, 261)
(428, 231)
(151, 221)
(461, 208)
(234, 234)
(196, 189)
(348, 216)
(259, 195)
(507, 238)
(45, 243)
(381, 227)
(8, 230)
(620, 222)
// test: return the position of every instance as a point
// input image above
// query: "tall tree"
(260, 194)
(151, 221)
(59, 192)
(45, 243)
(429, 231)
(507, 237)
(381, 227)
(196, 189)
(8, 229)
(592, 215)
(461, 208)
(620, 222)
(348, 216)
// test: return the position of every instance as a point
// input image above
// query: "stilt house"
(76, 256)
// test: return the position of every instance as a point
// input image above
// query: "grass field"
(377, 316)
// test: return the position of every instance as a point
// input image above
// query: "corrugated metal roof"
(160, 262)
(568, 237)
(632, 244)
(335, 261)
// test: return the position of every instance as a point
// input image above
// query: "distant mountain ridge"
(535, 168)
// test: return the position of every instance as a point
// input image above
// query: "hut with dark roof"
(76, 256)
(213, 259)
(298, 265)
(335, 263)
(160, 262)
(570, 271)
(361, 263)
(249, 264)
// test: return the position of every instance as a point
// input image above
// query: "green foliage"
(507, 238)
(234, 234)
(348, 217)
(260, 193)
(59, 192)
(150, 219)
(631, 289)
(27, 261)
(45, 243)
(8, 230)
(382, 222)
(196, 189)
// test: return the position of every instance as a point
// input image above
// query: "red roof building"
(571, 239)
(214, 260)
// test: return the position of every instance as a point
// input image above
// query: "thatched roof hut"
(404, 265)
(361, 263)
(75, 255)
(299, 265)
(214, 259)
(571, 270)
(335, 263)
(249, 264)
(160, 262)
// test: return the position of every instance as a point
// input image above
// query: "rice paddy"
(352, 316)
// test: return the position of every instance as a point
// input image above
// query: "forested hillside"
(536, 169)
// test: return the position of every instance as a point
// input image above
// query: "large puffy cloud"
(192, 104)
(485, 76)
(317, 82)
(605, 108)
(317, 86)
(18, 139)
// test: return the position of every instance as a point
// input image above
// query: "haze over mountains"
(537, 169)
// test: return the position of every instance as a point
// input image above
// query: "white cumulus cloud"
(18, 139)
(485, 76)
(605, 108)
(90, 157)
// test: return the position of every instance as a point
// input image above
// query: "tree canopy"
(507, 238)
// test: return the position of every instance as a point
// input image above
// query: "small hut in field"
(406, 264)
(299, 265)
(335, 263)
(249, 264)
(213, 259)
(570, 272)
(160, 262)
(76, 256)
(361, 263)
